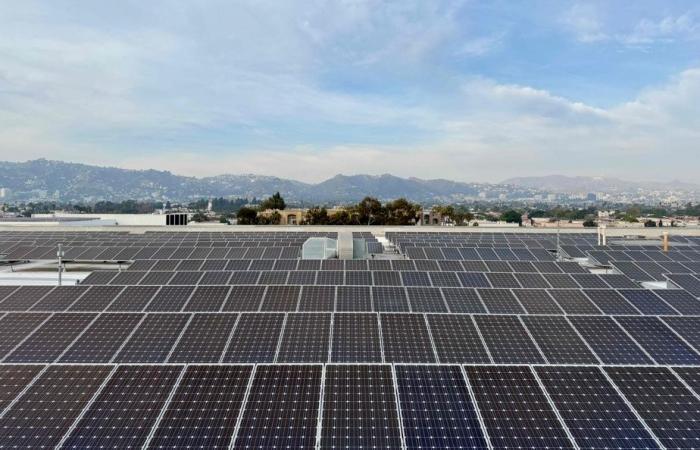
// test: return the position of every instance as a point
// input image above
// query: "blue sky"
(467, 90)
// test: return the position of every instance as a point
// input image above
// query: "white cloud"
(668, 29)
(584, 21)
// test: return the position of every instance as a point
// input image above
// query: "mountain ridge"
(76, 182)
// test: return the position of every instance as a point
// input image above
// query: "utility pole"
(60, 254)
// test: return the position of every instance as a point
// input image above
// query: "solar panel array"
(471, 341)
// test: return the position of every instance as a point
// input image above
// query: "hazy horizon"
(459, 90)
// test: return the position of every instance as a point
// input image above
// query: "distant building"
(591, 197)
(4, 192)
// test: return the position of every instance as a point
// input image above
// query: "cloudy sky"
(467, 90)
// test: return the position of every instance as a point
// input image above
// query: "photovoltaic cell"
(648, 303)
(473, 279)
(244, 298)
(14, 327)
(102, 339)
(255, 338)
(60, 298)
(681, 300)
(24, 298)
(356, 338)
(595, 414)
(359, 408)
(153, 339)
(515, 411)
(610, 302)
(659, 341)
(122, 415)
(306, 338)
(507, 340)
(97, 298)
(425, 299)
(406, 339)
(389, 299)
(609, 341)
(207, 298)
(457, 339)
(170, 298)
(436, 408)
(49, 340)
(353, 298)
(463, 300)
(204, 339)
(500, 301)
(282, 408)
(281, 298)
(13, 379)
(668, 408)
(133, 298)
(537, 301)
(204, 409)
(687, 327)
(45, 412)
(558, 340)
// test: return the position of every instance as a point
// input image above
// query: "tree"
(199, 217)
(247, 216)
(223, 219)
(340, 218)
(401, 212)
(370, 211)
(590, 223)
(650, 224)
(512, 216)
(274, 202)
(316, 216)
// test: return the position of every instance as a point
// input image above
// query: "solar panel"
(133, 298)
(537, 301)
(473, 279)
(282, 408)
(330, 277)
(500, 301)
(646, 302)
(359, 408)
(353, 298)
(207, 298)
(356, 338)
(281, 298)
(13, 380)
(60, 298)
(170, 298)
(254, 339)
(611, 302)
(415, 278)
(560, 280)
(273, 277)
(306, 338)
(507, 340)
(244, 298)
(659, 341)
(502, 280)
(45, 412)
(436, 408)
(456, 339)
(204, 339)
(589, 280)
(102, 339)
(515, 410)
(122, 415)
(463, 300)
(51, 339)
(680, 300)
(595, 414)
(425, 299)
(389, 299)
(609, 341)
(204, 409)
(15, 327)
(406, 339)
(687, 282)
(558, 340)
(687, 327)
(666, 406)
(24, 298)
(157, 278)
(97, 298)
(358, 278)
(531, 280)
(153, 339)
